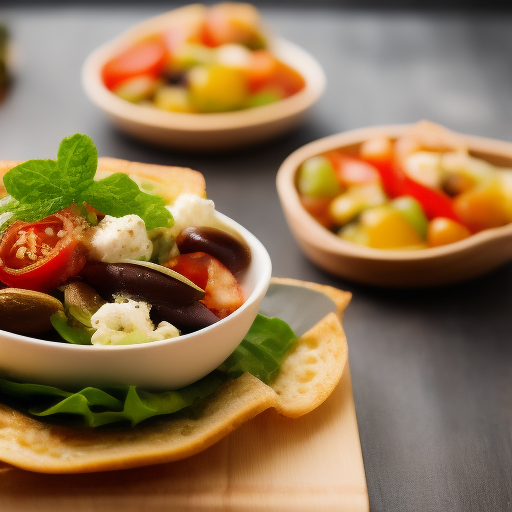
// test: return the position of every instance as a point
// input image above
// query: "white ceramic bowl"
(452, 263)
(219, 131)
(167, 364)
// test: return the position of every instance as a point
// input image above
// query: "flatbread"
(309, 374)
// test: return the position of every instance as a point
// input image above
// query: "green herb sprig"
(40, 188)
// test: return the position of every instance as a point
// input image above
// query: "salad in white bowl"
(98, 261)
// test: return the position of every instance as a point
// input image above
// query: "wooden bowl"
(217, 131)
(452, 263)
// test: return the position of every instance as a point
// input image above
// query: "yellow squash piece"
(387, 229)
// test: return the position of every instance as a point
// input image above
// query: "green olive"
(27, 311)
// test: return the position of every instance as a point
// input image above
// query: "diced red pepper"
(435, 203)
(396, 183)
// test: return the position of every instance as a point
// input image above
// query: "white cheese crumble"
(425, 168)
(115, 239)
(190, 210)
(233, 55)
(128, 323)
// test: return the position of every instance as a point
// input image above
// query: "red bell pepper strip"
(396, 183)
(435, 203)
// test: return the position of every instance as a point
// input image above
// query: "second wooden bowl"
(452, 263)
(203, 132)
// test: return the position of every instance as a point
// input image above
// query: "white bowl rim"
(291, 54)
(257, 250)
(329, 242)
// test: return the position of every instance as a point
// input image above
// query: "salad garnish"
(40, 188)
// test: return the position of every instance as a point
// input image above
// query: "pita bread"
(309, 374)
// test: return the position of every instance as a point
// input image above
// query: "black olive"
(232, 253)
(138, 283)
(187, 319)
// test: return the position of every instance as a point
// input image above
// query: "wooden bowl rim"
(325, 241)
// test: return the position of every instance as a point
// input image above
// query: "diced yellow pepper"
(388, 229)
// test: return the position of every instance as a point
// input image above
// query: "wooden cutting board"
(271, 463)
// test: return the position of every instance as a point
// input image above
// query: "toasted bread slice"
(309, 374)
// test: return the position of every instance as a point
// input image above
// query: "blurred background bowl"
(216, 131)
(455, 262)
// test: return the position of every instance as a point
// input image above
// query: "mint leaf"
(151, 209)
(39, 209)
(118, 195)
(44, 187)
(77, 160)
(40, 188)
(28, 181)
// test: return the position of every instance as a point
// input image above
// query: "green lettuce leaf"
(76, 334)
(260, 353)
(262, 350)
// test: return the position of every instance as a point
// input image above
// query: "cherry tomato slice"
(223, 294)
(42, 255)
(144, 58)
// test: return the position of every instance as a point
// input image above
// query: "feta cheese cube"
(127, 323)
(115, 239)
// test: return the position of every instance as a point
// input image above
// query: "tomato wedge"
(146, 58)
(223, 294)
(42, 255)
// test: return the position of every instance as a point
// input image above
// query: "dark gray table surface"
(431, 370)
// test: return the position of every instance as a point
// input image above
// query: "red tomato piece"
(144, 58)
(319, 209)
(42, 255)
(223, 294)
(352, 171)
(285, 81)
(261, 68)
